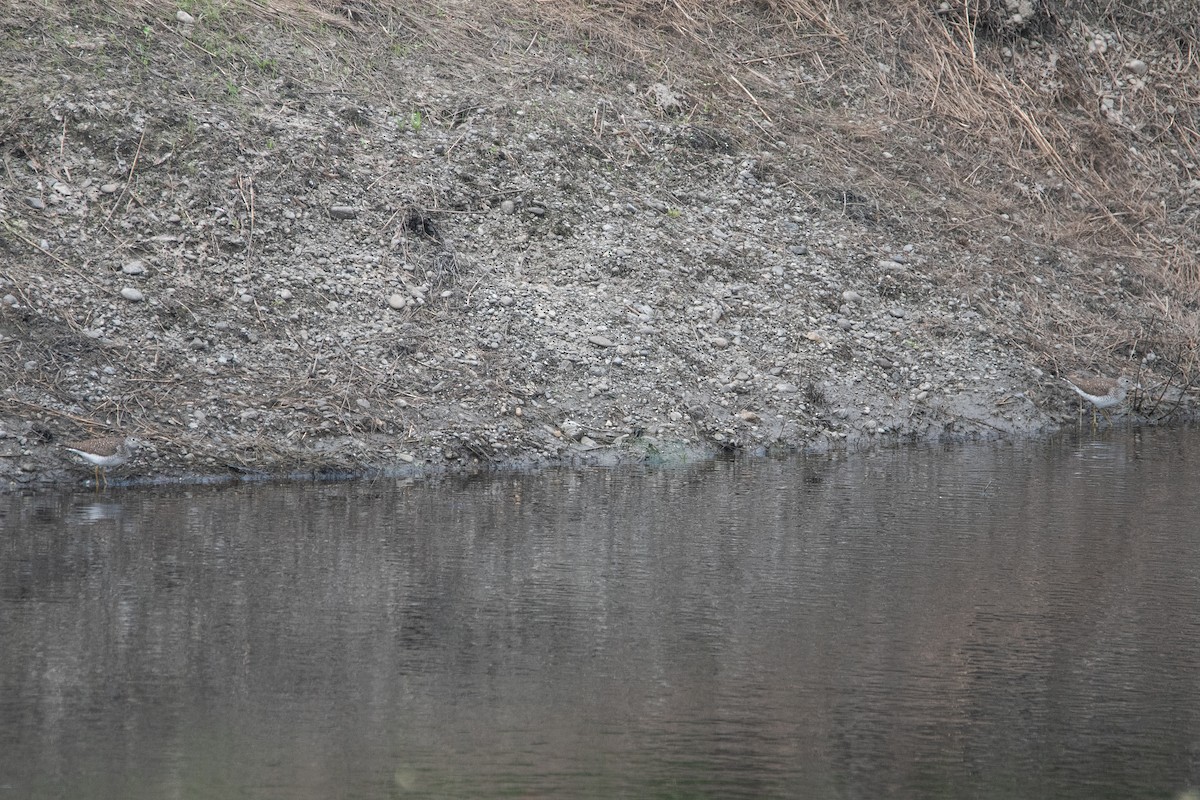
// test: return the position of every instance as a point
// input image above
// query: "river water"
(1009, 621)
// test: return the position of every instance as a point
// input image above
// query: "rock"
(1137, 66)
(601, 341)
(110, 188)
(285, 294)
(133, 295)
(134, 268)
(719, 342)
(397, 301)
(851, 296)
(184, 17)
(35, 202)
(343, 212)
(898, 313)
(537, 211)
(507, 207)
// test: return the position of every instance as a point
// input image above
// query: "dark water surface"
(1010, 621)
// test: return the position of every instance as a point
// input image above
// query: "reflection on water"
(1012, 621)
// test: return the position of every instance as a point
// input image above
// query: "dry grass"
(1047, 135)
(1035, 139)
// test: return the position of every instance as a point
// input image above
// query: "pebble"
(898, 313)
(35, 202)
(537, 211)
(132, 294)
(851, 296)
(285, 294)
(719, 342)
(110, 188)
(184, 17)
(134, 268)
(397, 301)
(246, 298)
(363, 402)
(845, 324)
(600, 341)
(507, 207)
(10, 300)
(343, 212)
(1137, 66)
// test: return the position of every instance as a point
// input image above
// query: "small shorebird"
(105, 452)
(1102, 393)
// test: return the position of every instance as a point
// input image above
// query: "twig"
(753, 99)
(128, 179)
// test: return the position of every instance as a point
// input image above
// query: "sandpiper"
(1101, 392)
(105, 452)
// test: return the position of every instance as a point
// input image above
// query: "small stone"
(285, 294)
(132, 294)
(845, 324)
(507, 207)
(785, 388)
(748, 416)
(506, 301)
(407, 458)
(246, 298)
(898, 313)
(110, 188)
(600, 341)
(397, 301)
(134, 268)
(343, 212)
(363, 402)
(851, 296)
(35, 202)
(537, 211)
(1137, 66)
(719, 342)
(10, 300)
(184, 17)
(798, 249)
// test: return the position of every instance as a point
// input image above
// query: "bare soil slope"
(287, 237)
